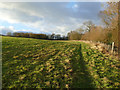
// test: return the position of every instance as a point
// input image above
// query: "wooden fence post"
(112, 47)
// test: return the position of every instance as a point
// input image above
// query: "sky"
(47, 17)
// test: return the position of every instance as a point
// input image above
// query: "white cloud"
(49, 17)
(4, 30)
(75, 6)
(23, 30)
(1, 27)
(11, 27)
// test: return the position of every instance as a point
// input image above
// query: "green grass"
(35, 63)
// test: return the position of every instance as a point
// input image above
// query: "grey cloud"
(5, 30)
(50, 15)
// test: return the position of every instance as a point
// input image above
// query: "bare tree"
(110, 19)
(88, 25)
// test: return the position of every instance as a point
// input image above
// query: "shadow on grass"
(81, 76)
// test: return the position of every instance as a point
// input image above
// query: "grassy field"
(35, 63)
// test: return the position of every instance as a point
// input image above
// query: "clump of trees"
(74, 35)
(57, 37)
(94, 34)
(29, 35)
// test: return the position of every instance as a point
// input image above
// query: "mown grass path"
(35, 63)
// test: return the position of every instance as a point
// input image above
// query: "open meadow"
(36, 63)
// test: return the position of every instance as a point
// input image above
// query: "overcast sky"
(47, 17)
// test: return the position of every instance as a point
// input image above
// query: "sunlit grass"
(55, 64)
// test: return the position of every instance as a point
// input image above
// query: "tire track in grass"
(81, 76)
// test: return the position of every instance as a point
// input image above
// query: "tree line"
(37, 36)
